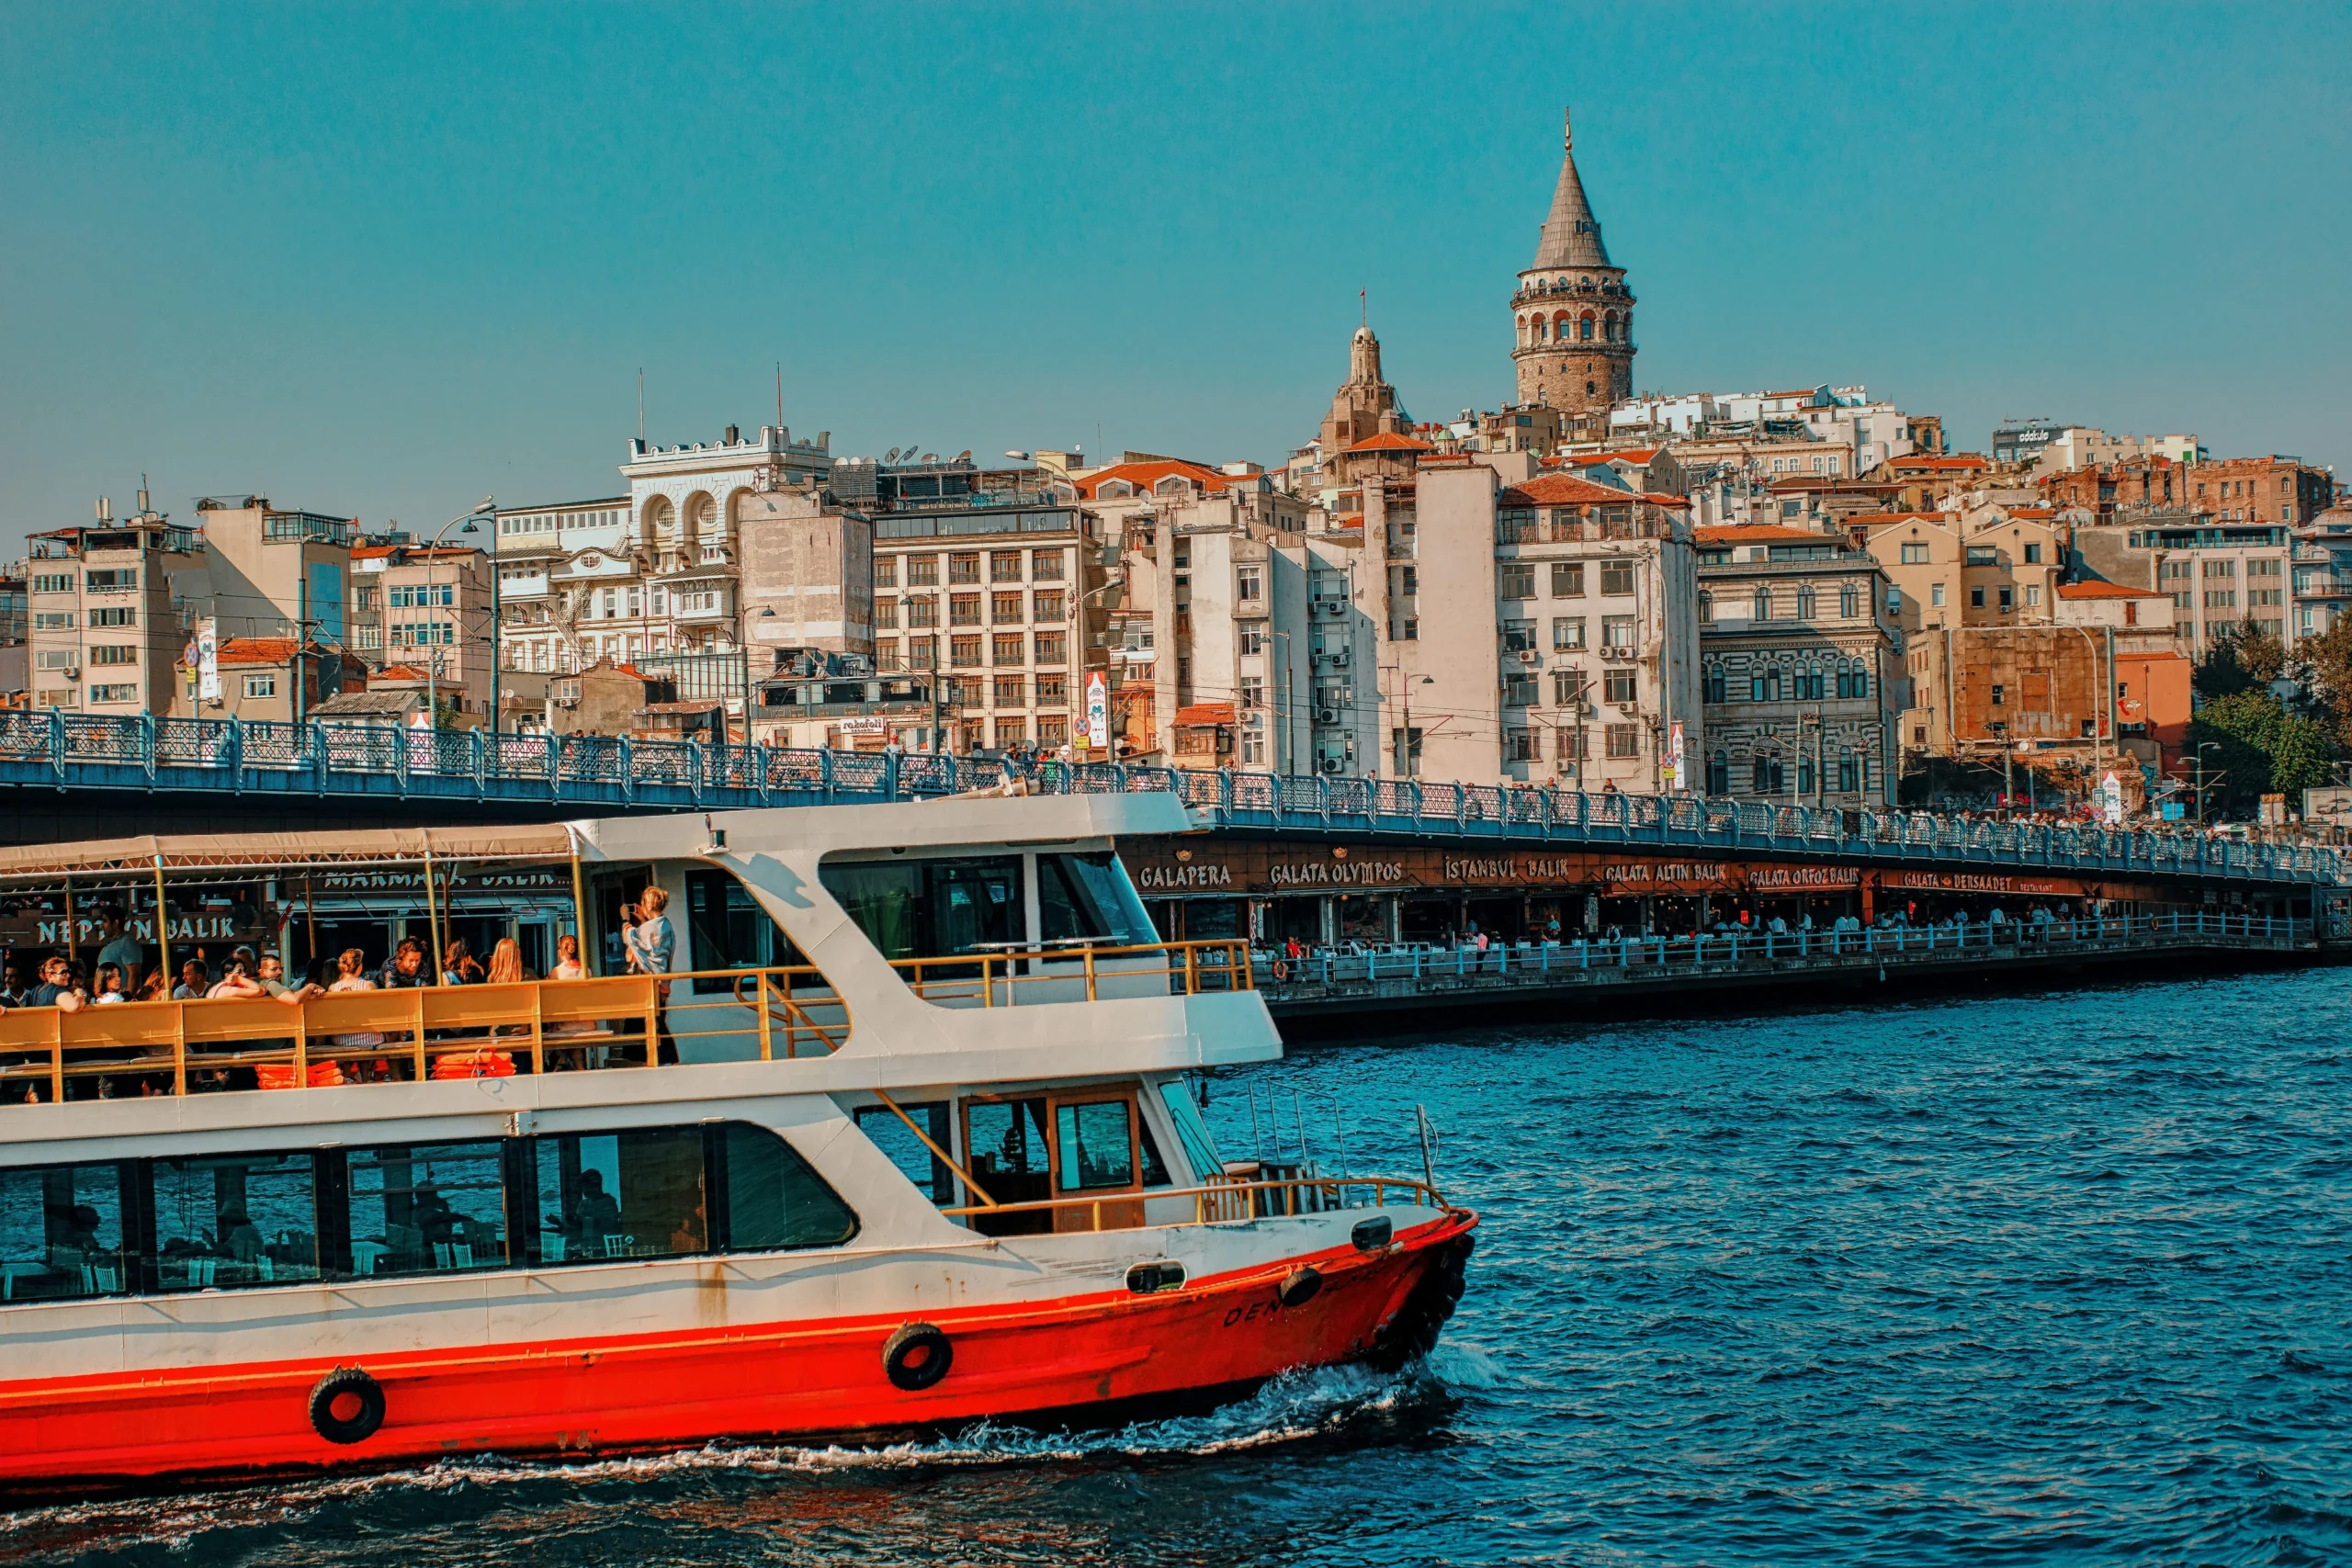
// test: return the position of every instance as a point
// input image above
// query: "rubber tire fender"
(1300, 1286)
(356, 1428)
(900, 1363)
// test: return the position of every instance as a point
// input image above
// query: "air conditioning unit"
(72, 671)
(1340, 658)
(1327, 715)
(1564, 766)
(1335, 764)
(1529, 656)
(1335, 607)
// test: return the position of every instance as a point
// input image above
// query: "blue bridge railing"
(73, 751)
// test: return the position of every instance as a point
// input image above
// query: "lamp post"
(1405, 684)
(464, 524)
(2201, 749)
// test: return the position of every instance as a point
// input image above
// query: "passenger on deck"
(650, 942)
(121, 948)
(195, 980)
(272, 980)
(236, 981)
(109, 985)
(458, 966)
(60, 988)
(567, 960)
(405, 970)
(507, 964)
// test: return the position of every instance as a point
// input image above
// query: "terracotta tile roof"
(2104, 591)
(1206, 712)
(1142, 475)
(1388, 441)
(1762, 533)
(1966, 460)
(1566, 489)
(399, 673)
(1639, 456)
(1882, 519)
(369, 552)
(255, 650)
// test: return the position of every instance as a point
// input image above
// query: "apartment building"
(2219, 575)
(2082, 446)
(552, 559)
(112, 604)
(1801, 668)
(996, 602)
(2322, 568)
(270, 679)
(1541, 631)
(1981, 566)
(439, 628)
(272, 572)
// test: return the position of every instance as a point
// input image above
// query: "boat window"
(1097, 1139)
(1200, 1149)
(929, 909)
(770, 1198)
(1089, 896)
(1155, 1169)
(415, 1209)
(1011, 1160)
(61, 1232)
(635, 1194)
(224, 1219)
(729, 931)
(905, 1151)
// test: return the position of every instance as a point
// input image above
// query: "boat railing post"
(538, 1030)
(416, 1006)
(1192, 970)
(1089, 951)
(56, 1022)
(767, 1019)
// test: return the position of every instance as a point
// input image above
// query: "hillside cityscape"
(1814, 593)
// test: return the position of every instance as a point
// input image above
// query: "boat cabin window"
(413, 1209)
(1012, 1160)
(61, 1231)
(1089, 896)
(905, 1151)
(1096, 1142)
(226, 1221)
(727, 930)
(233, 1220)
(930, 908)
(1200, 1149)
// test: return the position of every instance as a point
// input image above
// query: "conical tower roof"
(1571, 234)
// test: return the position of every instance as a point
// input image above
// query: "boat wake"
(1341, 1405)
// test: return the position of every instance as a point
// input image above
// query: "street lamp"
(464, 523)
(2201, 749)
(1405, 700)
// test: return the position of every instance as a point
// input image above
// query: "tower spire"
(1568, 130)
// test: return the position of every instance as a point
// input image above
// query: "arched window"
(1768, 776)
(1713, 689)
(1849, 602)
(659, 518)
(1719, 773)
(1112, 490)
(1584, 329)
(1609, 326)
(1805, 771)
(1763, 605)
(1174, 484)
(1706, 607)
(1805, 602)
(1560, 327)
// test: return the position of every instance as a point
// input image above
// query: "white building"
(2079, 446)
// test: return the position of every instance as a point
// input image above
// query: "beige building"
(112, 607)
(1987, 566)
(2219, 575)
(268, 679)
(275, 573)
(1802, 669)
(433, 605)
(1543, 631)
(996, 602)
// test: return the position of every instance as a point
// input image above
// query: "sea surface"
(2058, 1277)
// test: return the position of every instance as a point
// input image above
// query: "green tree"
(2327, 658)
(2263, 749)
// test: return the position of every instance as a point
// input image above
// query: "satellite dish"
(1018, 457)
(931, 457)
(965, 456)
(891, 455)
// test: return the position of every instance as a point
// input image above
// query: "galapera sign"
(1193, 867)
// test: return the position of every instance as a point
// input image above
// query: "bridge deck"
(1429, 978)
(575, 775)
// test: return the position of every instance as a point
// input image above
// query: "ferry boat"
(908, 1138)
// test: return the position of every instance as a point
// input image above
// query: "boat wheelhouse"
(908, 1138)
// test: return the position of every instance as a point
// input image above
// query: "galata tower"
(1573, 312)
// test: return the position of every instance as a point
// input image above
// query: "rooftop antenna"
(143, 493)
(640, 402)
(1363, 307)
(779, 396)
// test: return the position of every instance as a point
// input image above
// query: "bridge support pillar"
(1870, 900)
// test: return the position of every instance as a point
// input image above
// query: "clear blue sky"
(380, 261)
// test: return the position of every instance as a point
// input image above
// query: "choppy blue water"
(2059, 1278)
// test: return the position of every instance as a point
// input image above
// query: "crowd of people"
(62, 982)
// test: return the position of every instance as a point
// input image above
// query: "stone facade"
(1572, 315)
(1801, 666)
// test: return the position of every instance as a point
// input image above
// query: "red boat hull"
(791, 1381)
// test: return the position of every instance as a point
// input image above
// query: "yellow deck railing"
(538, 1026)
(1224, 1200)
